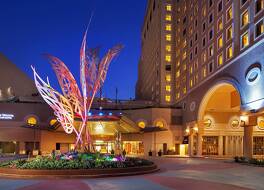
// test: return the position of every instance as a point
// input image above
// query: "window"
(204, 26)
(204, 41)
(220, 42)
(220, 59)
(168, 18)
(52, 122)
(245, 18)
(211, 34)
(204, 11)
(210, 3)
(220, 6)
(220, 24)
(142, 124)
(211, 67)
(229, 33)
(229, 14)
(184, 55)
(204, 56)
(204, 72)
(191, 83)
(229, 52)
(168, 58)
(32, 121)
(259, 6)
(168, 37)
(245, 40)
(167, 98)
(178, 73)
(243, 2)
(168, 67)
(168, 7)
(184, 90)
(168, 88)
(211, 51)
(259, 29)
(168, 78)
(210, 18)
(168, 27)
(168, 48)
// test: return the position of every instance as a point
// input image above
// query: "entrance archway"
(219, 122)
(218, 131)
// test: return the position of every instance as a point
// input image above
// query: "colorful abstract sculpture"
(72, 102)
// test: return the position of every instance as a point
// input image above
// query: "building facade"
(208, 60)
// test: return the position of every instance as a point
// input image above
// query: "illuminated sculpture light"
(73, 103)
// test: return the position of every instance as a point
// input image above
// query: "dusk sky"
(30, 28)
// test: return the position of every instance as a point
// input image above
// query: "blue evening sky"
(29, 28)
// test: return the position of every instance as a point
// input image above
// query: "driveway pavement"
(175, 173)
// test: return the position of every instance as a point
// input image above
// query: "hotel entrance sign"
(6, 116)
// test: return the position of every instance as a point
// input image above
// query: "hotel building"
(206, 58)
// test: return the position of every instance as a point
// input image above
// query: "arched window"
(159, 124)
(141, 124)
(32, 121)
(52, 122)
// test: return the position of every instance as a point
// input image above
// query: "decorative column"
(248, 141)
(190, 146)
(220, 146)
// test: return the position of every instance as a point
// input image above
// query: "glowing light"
(187, 130)
(101, 114)
(110, 113)
(89, 113)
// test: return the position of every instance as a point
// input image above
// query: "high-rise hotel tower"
(207, 57)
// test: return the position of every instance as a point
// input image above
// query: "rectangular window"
(168, 58)
(220, 24)
(167, 98)
(168, 37)
(244, 18)
(259, 29)
(245, 40)
(220, 6)
(211, 51)
(184, 55)
(168, 78)
(242, 2)
(220, 59)
(220, 42)
(168, 7)
(168, 48)
(259, 6)
(229, 14)
(204, 72)
(211, 18)
(168, 18)
(168, 27)
(168, 67)
(211, 34)
(178, 74)
(211, 67)
(229, 52)
(229, 33)
(191, 83)
(168, 88)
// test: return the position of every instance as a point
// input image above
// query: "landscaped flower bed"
(253, 161)
(77, 161)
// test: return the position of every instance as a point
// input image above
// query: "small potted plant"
(150, 153)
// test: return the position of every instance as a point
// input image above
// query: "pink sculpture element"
(93, 72)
